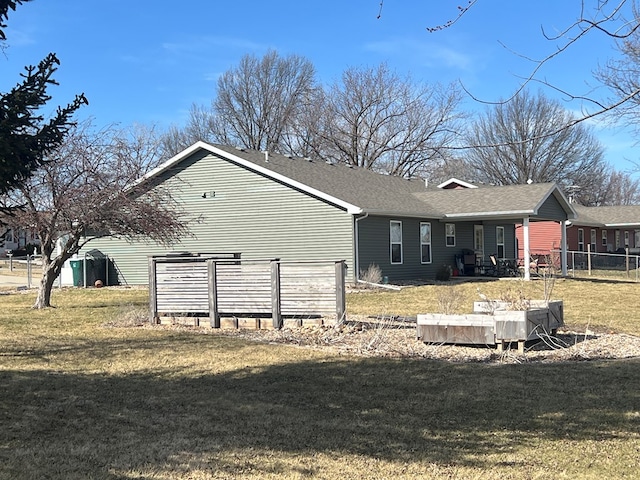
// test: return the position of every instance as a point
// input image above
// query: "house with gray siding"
(266, 205)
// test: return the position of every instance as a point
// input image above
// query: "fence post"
(214, 314)
(589, 258)
(28, 271)
(153, 292)
(341, 304)
(276, 310)
(626, 257)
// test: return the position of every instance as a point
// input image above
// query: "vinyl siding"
(552, 210)
(572, 238)
(543, 238)
(374, 245)
(244, 212)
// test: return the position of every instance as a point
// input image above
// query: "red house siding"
(543, 237)
(546, 236)
(610, 243)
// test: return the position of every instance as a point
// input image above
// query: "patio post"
(563, 247)
(527, 256)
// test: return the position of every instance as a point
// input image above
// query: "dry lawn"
(80, 400)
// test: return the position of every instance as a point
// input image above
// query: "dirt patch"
(396, 338)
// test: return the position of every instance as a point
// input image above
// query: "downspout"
(357, 249)
(527, 256)
(563, 247)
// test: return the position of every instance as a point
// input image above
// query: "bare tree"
(258, 101)
(257, 106)
(622, 76)
(609, 20)
(201, 126)
(617, 188)
(375, 119)
(522, 140)
(87, 189)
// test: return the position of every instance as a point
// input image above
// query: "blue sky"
(144, 61)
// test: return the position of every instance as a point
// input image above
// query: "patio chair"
(494, 266)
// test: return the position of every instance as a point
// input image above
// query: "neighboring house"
(605, 229)
(265, 205)
(598, 229)
(16, 239)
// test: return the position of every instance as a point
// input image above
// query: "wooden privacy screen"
(219, 286)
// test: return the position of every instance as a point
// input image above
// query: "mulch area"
(396, 338)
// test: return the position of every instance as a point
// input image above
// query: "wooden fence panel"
(244, 288)
(308, 289)
(182, 287)
(217, 287)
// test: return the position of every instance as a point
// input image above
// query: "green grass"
(79, 400)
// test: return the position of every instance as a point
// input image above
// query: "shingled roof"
(612, 217)
(359, 190)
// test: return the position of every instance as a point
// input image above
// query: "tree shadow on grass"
(81, 425)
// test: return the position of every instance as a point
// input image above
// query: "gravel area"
(395, 338)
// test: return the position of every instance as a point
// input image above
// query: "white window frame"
(617, 239)
(581, 239)
(605, 242)
(392, 242)
(594, 240)
(626, 238)
(425, 242)
(500, 244)
(450, 233)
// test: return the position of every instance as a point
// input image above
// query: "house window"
(425, 242)
(581, 239)
(593, 240)
(450, 234)
(9, 236)
(604, 238)
(395, 232)
(626, 238)
(500, 241)
(617, 239)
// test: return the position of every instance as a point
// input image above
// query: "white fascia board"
(489, 215)
(562, 199)
(389, 213)
(459, 182)
(350, 208)
(622, 225)
(171, 162)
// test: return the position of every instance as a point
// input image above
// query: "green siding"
(374, 245)
(244, 212)
(552, 210)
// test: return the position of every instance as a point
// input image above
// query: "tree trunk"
(43, 300)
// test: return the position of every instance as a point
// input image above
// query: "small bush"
(449, 298)
(444, 273)
(372, 274)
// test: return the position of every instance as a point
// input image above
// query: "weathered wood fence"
(226, 286)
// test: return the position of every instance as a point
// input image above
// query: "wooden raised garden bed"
(493, 323)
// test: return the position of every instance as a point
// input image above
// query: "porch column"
(527, 256)
(563, 247)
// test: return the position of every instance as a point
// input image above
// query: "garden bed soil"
(396, 338)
